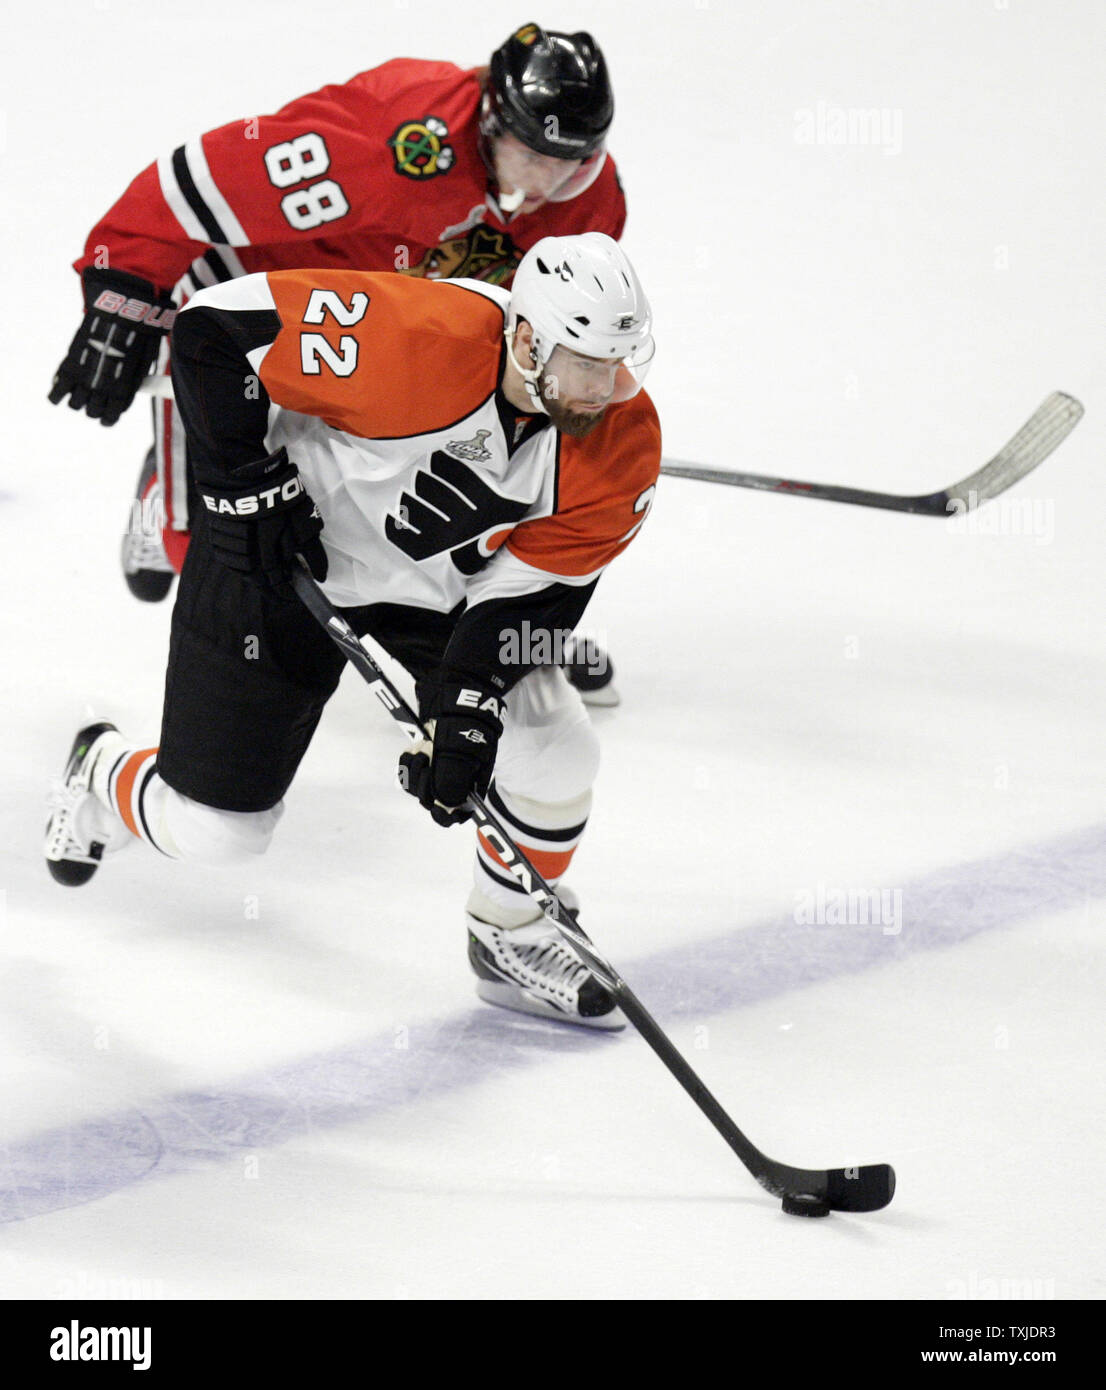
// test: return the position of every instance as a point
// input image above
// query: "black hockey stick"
(1044, 431)
(841, 1189)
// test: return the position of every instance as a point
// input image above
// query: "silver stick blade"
(1043, 432)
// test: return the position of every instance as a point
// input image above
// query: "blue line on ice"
(80, 1163)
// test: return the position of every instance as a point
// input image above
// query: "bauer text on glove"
(115, 346)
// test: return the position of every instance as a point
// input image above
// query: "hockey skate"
(532, 969)
(146, 567)
(80, 829)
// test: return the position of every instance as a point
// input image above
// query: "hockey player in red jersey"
(414, 166)
(458, 465)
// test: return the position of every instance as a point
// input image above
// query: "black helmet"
(551, 91)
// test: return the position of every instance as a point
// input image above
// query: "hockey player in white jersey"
(458, 466)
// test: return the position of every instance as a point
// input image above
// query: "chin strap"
(529, 377)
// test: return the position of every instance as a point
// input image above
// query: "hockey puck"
(805, 1204)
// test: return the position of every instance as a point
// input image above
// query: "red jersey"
(379, 173)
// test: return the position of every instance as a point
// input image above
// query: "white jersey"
(433, 490)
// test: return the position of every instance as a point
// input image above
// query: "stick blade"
(1044, 431)
(860, 1189)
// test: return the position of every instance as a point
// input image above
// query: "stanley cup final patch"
(470, 449)
(420, 150)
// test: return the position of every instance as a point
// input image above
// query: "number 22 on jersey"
(315, 350)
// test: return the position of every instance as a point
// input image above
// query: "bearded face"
(570, 418)
(576, 390)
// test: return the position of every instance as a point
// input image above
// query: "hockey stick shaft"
(495, 832)
(874, 1186)
(1042, 433)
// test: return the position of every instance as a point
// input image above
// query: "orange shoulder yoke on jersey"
(604, 490)
(427, 352)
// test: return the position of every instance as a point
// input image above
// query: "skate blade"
(508, 996)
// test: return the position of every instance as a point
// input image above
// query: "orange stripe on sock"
(124, 788)
(549, 863)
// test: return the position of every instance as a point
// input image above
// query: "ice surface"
(278, 1081)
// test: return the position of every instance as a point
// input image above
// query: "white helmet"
(581, 293)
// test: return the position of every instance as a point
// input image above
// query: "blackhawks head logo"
(420, 149)
(481, 254)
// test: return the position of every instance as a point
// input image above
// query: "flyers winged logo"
(451, 509)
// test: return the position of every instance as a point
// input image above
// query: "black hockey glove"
(116, 345)
(260, 517)
(466, 720)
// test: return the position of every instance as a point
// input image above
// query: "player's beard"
(577, 423)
